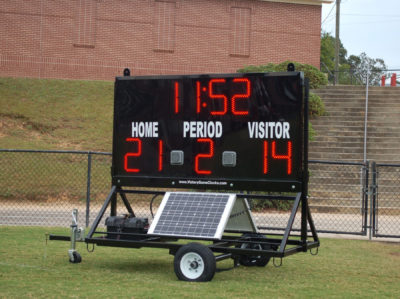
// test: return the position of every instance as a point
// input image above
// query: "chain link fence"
(385, 212)
(351, 76)
(338, 197)
(42, 188)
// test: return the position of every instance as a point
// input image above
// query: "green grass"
(43, 176)
(343, 269)
(56, 114)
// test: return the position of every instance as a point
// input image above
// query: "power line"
(329, 20)
(329, 13)
(375, 22)
(368, 15)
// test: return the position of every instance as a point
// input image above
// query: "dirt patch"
(26, 123)
(12, 125)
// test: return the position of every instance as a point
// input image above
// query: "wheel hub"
(192, 265)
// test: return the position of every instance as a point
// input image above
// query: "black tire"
(194, 262)
(249, 260)
(77, 258)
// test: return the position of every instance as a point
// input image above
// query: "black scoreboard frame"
(234, 244)
(193, 181)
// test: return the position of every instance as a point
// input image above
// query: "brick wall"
(96, 39)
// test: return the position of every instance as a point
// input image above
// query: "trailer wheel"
(194, 262)
(76, 258)
(257, 260)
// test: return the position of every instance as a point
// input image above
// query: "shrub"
(257, 205)
(316, 106)
(316, 77)
(270, 67)
(311, 132)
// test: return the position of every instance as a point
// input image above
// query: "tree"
(328, 52)
(353, 70)
(362, 65)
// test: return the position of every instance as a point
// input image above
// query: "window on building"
(240, 36)
(164, 26)
(85, 23)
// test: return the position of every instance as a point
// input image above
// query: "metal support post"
(304, 193)
(96, 222)
(289, 226)
(365, 192)
(373, 188)
(366, 118)
(89, 174)
(337, 42)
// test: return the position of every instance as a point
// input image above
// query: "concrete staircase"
(340, 134)
(383, 133)
(340, 137)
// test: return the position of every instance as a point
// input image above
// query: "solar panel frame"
(193, 215)
(241, 218)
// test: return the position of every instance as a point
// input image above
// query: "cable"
(334, 5)
(374, 22)
(367, 15)
(151, 205)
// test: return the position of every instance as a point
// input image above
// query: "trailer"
(209, 144)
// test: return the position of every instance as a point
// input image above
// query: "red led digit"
(265, 157)
(160, 155)
(137, 154)
(176, 97)
(287, 157)
(198, 103)
(218, 96)
(210, 154)
(241, 96)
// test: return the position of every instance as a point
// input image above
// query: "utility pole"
(337, 42)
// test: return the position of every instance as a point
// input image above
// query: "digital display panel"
(231, 131)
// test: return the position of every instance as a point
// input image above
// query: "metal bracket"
(316, 251)
(277, 266)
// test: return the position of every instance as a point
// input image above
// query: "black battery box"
(126, 227)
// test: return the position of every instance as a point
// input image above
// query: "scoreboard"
(230, 131)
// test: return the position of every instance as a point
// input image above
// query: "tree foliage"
(363, 65)
(316, 77)
(352, 69)
(328, 52)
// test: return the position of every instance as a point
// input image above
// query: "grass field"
(56, 114)
(53, 115)
(342, 269)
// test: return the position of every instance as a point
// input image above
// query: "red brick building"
(96, 39)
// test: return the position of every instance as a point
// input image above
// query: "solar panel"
(193, 214)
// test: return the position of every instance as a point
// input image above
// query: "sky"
(370, 26)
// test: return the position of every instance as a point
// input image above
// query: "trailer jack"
(77, 235)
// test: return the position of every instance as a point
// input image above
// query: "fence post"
(373, 190)
(89, 173)
(393, 80)
(365, 196)
(366, 118)
(351, 76)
